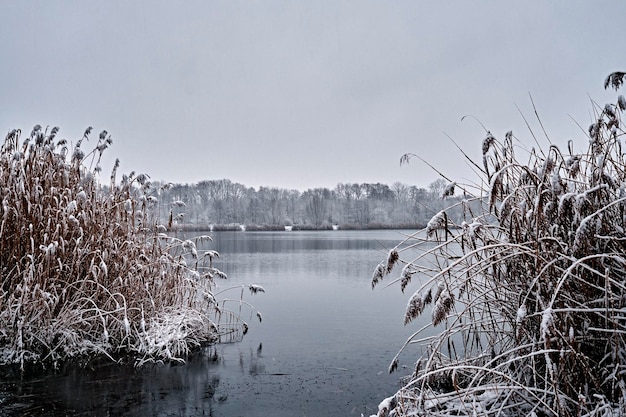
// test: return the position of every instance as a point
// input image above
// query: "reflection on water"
(109, 389)
(323, 348)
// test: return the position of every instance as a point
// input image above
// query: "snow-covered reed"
(527, 295)
(86, 269)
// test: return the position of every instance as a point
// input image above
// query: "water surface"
(323, 348)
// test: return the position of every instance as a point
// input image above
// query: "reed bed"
(527, 295)
(85, 268)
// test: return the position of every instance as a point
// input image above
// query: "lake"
(322, 349)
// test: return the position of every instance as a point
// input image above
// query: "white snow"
(521, 314)
(546, 323)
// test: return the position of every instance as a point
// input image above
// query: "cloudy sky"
(302, 94)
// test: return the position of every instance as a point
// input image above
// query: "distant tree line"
(223, 203)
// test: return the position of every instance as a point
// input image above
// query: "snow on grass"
(87, 270)
(529, 290)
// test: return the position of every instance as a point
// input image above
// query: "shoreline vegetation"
(88, 271)
(289, 228)
(526, 295)
(347, 206)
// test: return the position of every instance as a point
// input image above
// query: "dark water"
(323, 347)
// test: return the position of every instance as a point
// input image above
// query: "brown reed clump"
(530, 288)
(85, 269)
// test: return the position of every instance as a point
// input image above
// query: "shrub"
(85, 269)
(530, 290)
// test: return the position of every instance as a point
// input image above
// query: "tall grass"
(527, 295)
(86, 269)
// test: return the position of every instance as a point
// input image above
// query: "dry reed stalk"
(529, 287)
(86, 269)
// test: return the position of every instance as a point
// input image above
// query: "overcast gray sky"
(302, 94)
